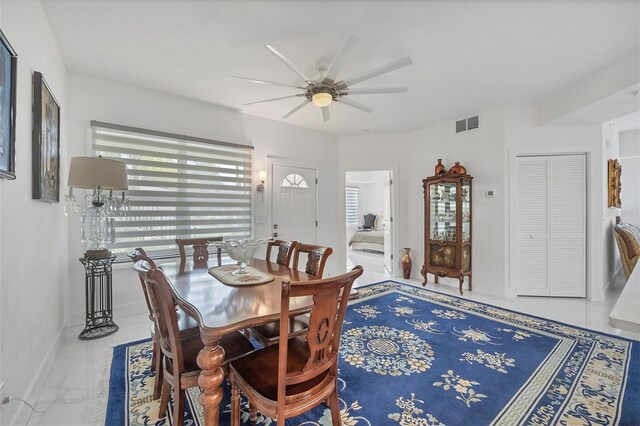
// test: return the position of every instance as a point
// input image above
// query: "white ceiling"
(468, 56)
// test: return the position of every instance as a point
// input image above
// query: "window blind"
(179, 187)
(352, 206)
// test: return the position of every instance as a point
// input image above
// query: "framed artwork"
(615, 184)
(46, 142)
(8, 88)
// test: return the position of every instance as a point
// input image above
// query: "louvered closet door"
(532, 229)
(567, 244)
(551, 226)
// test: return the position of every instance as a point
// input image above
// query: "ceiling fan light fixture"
(322, 99)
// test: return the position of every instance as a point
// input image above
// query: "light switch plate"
(261, 220)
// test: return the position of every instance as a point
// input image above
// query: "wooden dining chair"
(200, 250)
(297, 374)
(316, 258)
(268, 334)
(180, 370)
(187, 325)
(285, 251)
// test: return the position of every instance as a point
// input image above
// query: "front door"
(294, 203)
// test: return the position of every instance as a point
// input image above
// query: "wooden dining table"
(220, 309)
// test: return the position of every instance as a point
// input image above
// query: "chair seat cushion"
(260, 369)
(271, 331)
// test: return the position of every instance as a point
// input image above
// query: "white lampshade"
(262, 175)
(93, 172)
(322, 99)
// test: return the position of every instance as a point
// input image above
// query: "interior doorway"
(369, 221)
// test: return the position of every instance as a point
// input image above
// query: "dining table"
(220, 309)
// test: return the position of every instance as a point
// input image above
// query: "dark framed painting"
(46, 142)
(8, 88)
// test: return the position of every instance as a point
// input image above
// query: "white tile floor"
(72, 393)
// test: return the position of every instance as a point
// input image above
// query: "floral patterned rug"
(411, 356)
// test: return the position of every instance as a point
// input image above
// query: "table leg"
(210, 359)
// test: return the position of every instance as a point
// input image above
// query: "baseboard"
(39, 379)
(137, 308)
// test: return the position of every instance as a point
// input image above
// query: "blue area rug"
(411, 356)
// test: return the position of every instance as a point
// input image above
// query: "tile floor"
(72, 394)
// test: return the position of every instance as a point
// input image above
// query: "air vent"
(472, 123)
(467, 124)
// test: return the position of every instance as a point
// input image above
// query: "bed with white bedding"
(368, 240)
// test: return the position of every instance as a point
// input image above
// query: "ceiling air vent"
(472, 123)
(467, 124)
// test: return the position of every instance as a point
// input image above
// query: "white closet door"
(551, 226)
(532, 229)
(567, 244)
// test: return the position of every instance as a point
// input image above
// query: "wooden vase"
(406, 264)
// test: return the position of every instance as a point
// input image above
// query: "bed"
(368, 240)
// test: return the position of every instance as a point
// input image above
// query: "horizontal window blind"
(352, 206)
(179, 187)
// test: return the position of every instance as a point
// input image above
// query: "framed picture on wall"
(46, 142)
(8, 88)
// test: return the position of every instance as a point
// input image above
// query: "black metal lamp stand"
(98, 294)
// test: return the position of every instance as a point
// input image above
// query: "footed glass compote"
(241, 251)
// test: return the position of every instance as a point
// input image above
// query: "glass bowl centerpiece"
(241, 251)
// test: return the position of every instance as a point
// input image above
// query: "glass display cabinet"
(447, 219)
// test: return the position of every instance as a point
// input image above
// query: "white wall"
(610, 151)
(95, 99)
(34, 245)
(630, 160)
(486, 154)
(412, 157)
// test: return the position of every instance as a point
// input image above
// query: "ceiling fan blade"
(290, 64)
(383, 69)
(345, 50)
(374, 90)
(326, 114)
(296, 109)
(354, 104)
(275, 99)
(270, 83)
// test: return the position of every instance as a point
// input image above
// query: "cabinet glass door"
(442, 215)
(465, 195)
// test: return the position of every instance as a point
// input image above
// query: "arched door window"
(294, 180)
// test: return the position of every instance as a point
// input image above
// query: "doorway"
(369, 221)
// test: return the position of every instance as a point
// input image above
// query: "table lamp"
(97, 210)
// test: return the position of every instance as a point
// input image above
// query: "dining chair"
(180, 370)
(316, 258)
(200, 250)
(268, 334)
(187, 325)
(285, 251)
(297, 374)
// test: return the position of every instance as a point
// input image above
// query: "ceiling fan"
(328, 88)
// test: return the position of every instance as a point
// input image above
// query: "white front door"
(293, 203)
(388, 225)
